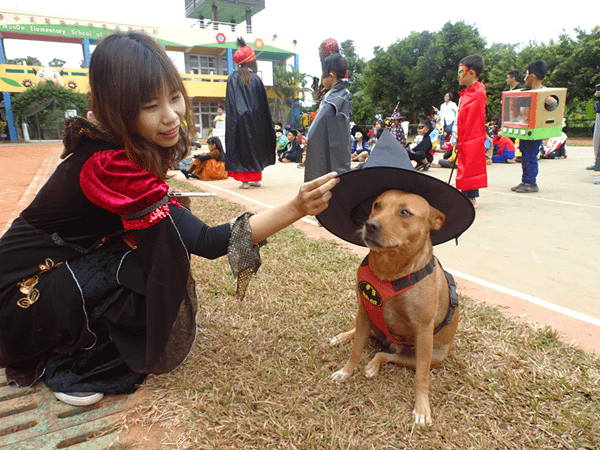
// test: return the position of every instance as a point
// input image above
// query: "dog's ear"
(436, 218)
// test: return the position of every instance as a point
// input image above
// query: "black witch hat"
(388, 167)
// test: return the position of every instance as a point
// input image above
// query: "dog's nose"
(372, 226)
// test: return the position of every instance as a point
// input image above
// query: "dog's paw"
(422, 419)
(340, 376)
(372, 369)
(342, 338)
(335, 340)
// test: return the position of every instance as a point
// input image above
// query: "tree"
(363, 109)
(355, 64)
(56, 62)
(386, 76)
(290, 89)
(436, 70)
(417, 70)
(48, 103)
(499, 60)
(28, 61)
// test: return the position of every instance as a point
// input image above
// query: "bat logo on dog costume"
(370, 293)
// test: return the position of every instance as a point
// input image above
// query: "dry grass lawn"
(258, 377)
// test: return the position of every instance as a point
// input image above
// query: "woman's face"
(160, 118)
(377, 125)
(212, 146)
(358, 136)
(446, 98)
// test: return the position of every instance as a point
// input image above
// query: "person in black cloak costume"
(249, 135)
(328, 137)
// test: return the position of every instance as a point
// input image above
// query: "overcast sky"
(380, 25)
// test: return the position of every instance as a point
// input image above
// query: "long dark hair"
(126, 71)
(245, 74)
(215, 140)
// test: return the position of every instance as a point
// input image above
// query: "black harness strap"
(453, 301)
(413, 278)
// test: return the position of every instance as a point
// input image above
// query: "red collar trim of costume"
(375, 292)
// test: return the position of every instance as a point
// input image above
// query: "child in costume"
(396, 127)
(471, 174)
(211, 165)
(504, 149)
(249, 135)
(293, 151)
(359, 150)
(536, 71)
(422, 153)
(282, 140)
(96, 289)
(328, 147)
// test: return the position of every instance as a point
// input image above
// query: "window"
(206, 65)
(203, 114)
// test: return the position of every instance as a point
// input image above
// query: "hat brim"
(353, 197)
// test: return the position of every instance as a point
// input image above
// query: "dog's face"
(400, 220)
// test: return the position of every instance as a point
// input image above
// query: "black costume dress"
(95, 282)
(249, 135)
(328, 137)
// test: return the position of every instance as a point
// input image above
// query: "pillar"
(10, 122)
(87, 56)
(229, 61)
(248, 21)
(215, 17)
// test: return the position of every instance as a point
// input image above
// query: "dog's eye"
(405, 213)
(376, 205)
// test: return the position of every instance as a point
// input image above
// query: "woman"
(447, 113)
(211, 165)
(249, 135)
(95, 282)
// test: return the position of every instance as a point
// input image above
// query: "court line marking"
(529, 298)
(563, 202)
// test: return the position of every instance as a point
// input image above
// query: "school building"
(204, 51)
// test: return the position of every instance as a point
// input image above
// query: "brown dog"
(397, 234)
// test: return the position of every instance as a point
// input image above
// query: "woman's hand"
(312, 199)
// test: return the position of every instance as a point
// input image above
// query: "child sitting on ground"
(293, 151)
(503, 148)
(359, 150)
(422, 153)
(211, 165)
(282, 140)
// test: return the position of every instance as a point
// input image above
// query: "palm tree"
(289, 89)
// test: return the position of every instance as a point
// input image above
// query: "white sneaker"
(254, 183)
(245, 186)
(79, 398)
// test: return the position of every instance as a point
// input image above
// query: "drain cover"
(32, 418)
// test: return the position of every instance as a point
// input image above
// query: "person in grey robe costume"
(328, 138)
